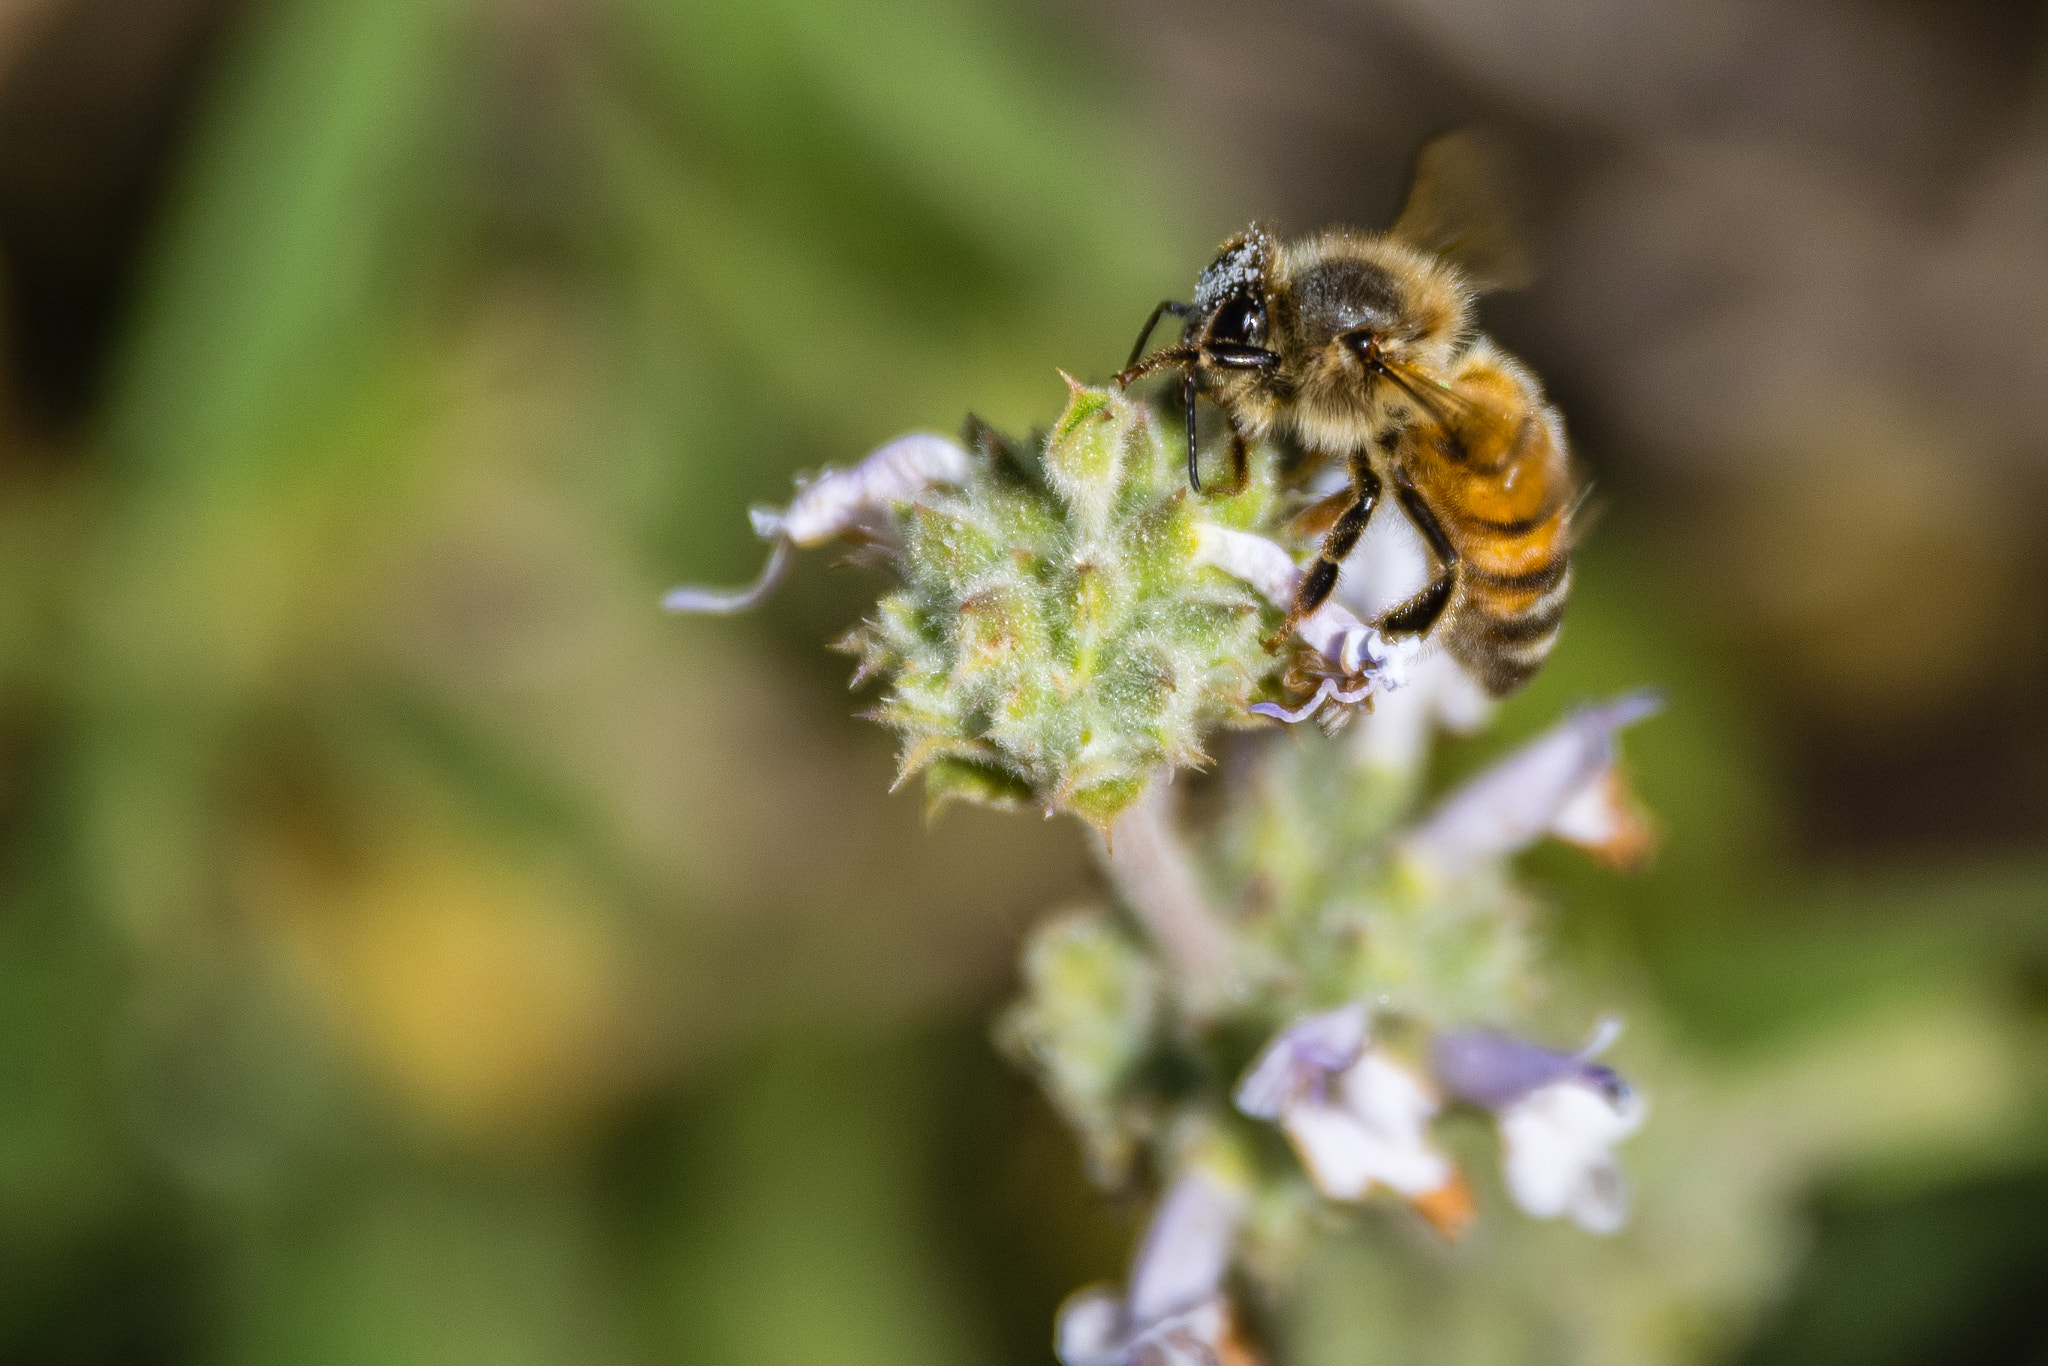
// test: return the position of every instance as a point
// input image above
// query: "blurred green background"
(415, 948)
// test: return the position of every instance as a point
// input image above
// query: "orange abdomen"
(1505, 500)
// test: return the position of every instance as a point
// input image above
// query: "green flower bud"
(1061, 642)
(1092, 1004)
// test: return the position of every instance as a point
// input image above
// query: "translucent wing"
(1463, 206)
(1490, 438)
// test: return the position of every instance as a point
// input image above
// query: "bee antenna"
(1188, 388)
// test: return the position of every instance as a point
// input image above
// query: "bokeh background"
(415, 948)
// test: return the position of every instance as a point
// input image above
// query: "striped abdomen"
(1503, 495)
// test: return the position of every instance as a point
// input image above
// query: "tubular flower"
(1564, 782)
(1175, 1312)
(1560, 1115)
(1358, 662)
(835, 503)
(1354, 1117)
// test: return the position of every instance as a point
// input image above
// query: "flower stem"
(1150, 868)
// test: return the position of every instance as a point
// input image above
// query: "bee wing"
(1481, 424)
(1443, 402)
(1585, 514)
(1464, 206)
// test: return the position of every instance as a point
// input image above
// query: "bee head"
(1225, 330)
(1230, 297)
(1357, 307)
(1223, 342)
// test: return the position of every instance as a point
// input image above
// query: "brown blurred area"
(95, 98)
(1796, 263)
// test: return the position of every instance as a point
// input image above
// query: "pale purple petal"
(1191, 1338)
(832, 504)
(1497, 1070)
(1090, 1328)
(1323, 693)
(836, 501)
(1514, 802)
(1390, 564)
(1301, 1058)
(1186, 1250)
(1175, 1311)
(727, 601)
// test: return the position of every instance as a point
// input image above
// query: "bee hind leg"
(1422, 612)
(1321, 579)
(1417, 615)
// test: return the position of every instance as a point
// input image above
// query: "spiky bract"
(1055, 642)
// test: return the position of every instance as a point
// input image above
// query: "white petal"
(1186, 1250)
(1347, 643)
(1600, 1205)
(1089, 1328)
(838, 500)
(1329, 1042)
(1604, 819)
(1397, 1107)
(1377, 1130)
(1243, 555)
(1341, 1154)
(1512, 803)
(1389, 1097)
(1559, 1158)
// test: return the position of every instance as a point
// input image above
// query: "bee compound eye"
(1241, 320)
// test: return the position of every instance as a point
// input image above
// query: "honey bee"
(1361, 348)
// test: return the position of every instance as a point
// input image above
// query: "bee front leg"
(1321, 579)
(1240, 464)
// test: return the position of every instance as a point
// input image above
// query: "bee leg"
(1240, 463)
(1417, 615)
(1188, 389)
(1321, 578)
(1178, 310)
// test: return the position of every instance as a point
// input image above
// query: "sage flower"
(1560, 1115)
(1563, 782)
(1355, 1117)
(1361, 662)
(1175, 1312)
(831, 504)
